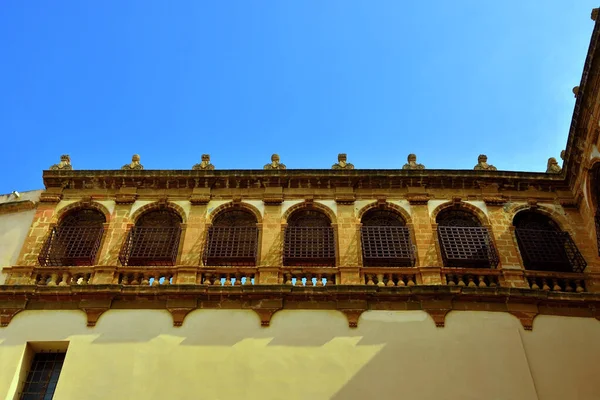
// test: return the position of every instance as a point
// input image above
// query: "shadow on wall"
(313, 354)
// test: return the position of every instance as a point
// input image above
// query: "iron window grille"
(548, 250)
(231, 245)
(467, 247)
(387, 246)
(43, 376)
(309, 245)
(151, 246)
(71, 246)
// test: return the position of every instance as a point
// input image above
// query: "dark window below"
(43, 376)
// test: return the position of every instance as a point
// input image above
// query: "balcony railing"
(71, 246)
(467, 247)
(151, 246)
(309, 246)
(546, 250)
(387, 246)
(231, 245)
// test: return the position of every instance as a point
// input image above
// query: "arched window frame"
(386, 239)
(306, 245)
(232, 243)
(75, 240)
(463, 240)
(153, 243)
(543, 245)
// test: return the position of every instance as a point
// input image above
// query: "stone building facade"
(290, 283)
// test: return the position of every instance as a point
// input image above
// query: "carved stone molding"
(50, 197)
(417, 199)
(495, 200)
(125, 198)
(353, 316)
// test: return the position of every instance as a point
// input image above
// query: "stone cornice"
(265, 300)
(16, 206)
(107, 180)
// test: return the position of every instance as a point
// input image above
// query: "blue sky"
(306, 79)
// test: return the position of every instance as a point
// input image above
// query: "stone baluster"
(370, 280)
(320, 280)
(555, 285)
(545, 284)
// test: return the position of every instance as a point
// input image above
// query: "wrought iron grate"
(547, 250)
(151, 246)
(231, 245)
(43, 376)
(387, 246)
(71, 246)
(313, 245)
(467, 247)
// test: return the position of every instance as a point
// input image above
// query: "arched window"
(463, 241)
(385, 239)
(309, 239)
(543, 246)
(232, 239)
(75, 240)
(154, 240)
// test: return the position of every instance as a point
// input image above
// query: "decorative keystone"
(342, 164)
(135, 163)
(64, 164)
(482, 164)
(412, 163)
(204, 164)
(275, 164)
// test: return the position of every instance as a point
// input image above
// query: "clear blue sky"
(308, 79)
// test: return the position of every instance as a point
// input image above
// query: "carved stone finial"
(342, 164)
(483, 165)
(412, 163)
(205, 163)
(275, 164)
(64, 164)
(553, 167)
(135, 163)
(562, 155)
(576, 91)
(595, 13)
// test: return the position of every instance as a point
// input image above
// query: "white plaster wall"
(225, 354)
(13, 231)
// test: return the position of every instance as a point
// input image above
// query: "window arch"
(463, 241)
(386, 240)
(75, 240)
(232, 239)
(544, 246)
(309, 239)
(154, 240)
